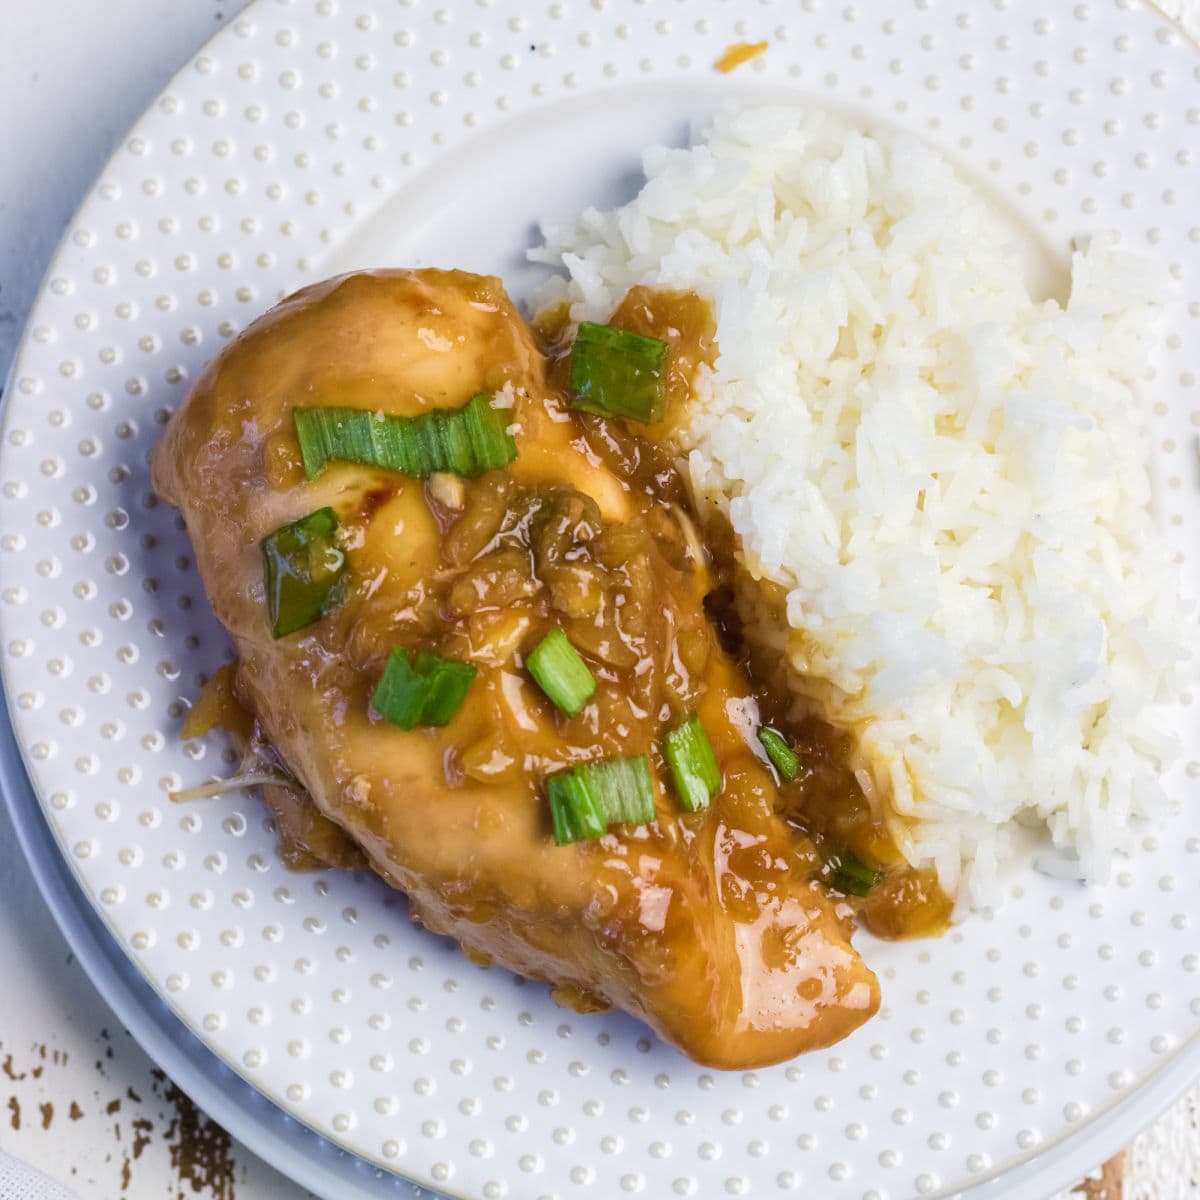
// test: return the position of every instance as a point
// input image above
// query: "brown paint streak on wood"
(201, 1151)
(142, 1129)
(1109, 1185)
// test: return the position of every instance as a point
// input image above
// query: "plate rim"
(243, 1110)
(1051, 1166)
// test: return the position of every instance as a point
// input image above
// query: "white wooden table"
(78, 1098)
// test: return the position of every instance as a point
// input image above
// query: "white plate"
(310, 137)
(322, 1167)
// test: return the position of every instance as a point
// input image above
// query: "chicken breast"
(710, 925)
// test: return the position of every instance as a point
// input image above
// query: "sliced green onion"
(462, 441)
(573, 809)
(586, 799)
(427, 693)
(783, 758)
(485, 430)
(693, 767)
(399, 696)
(302, 565)
(618, 374)
(559, 671)
(449, 681)
(851, 875)
(623, 789)
(456, 438)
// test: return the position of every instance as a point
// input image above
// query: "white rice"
(947, 478)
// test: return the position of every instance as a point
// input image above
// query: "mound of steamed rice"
(940, 481)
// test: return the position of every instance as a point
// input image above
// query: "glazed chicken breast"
(711, 925)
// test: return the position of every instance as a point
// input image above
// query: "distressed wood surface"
(79, 1099)
(1108, 1181)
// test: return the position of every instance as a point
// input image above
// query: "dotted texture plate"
(311, 135)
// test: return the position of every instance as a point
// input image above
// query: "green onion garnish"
(560, 672)
(573, 808)
(302, 564)
(428, 692)
(448, 684)
(463, 441)
(693, 767)
(586, 799)
(851, 875)
(622, 788)
(783, 758)
(618, 374)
